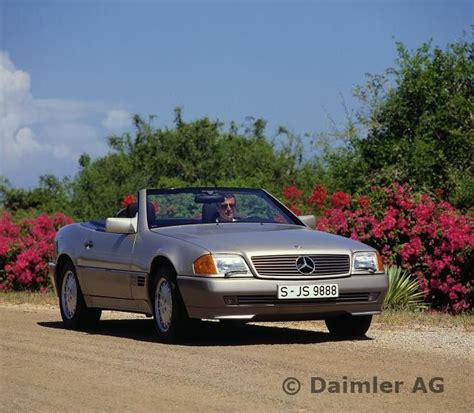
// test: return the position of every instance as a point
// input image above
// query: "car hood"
(256, 239)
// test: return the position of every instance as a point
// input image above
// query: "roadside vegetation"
(397, 175)
(403, 291)
(46, 298)
(424, 320)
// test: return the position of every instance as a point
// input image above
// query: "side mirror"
(308, 220)
(121, 225)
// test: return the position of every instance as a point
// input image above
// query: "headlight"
(221, 266)
(367, 261)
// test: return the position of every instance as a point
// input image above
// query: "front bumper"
(256, 299)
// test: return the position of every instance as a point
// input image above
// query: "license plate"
(286, 292)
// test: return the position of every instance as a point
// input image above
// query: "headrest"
(132, 209)
(209, 213)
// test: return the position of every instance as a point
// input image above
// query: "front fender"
(150, 245)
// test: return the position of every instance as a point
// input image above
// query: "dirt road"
(44, 367)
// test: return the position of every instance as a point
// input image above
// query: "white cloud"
(117, 121)
(14, 84)
(39, 136)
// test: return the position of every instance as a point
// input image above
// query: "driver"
(226, 209)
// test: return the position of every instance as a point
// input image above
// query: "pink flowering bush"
(293, 196)
(127, 200)
(25, 250)
(428, 238)
(318, 197)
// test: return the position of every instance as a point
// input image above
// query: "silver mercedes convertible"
(230, 254)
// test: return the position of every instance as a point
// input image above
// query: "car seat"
(209, 213)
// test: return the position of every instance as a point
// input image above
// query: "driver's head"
(226, 209)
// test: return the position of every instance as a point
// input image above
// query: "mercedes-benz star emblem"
(305, 265)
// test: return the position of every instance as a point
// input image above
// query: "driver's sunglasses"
(226, 205)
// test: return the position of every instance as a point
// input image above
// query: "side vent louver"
(138, 280)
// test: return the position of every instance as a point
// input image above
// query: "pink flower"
(127, 200)
(338, 220)
(423, 213)
(318, 196)
(377, 231)
(322, 224)
(354, 235)
(291, 193)
(363, 201)
(388, 223)
(423, 283)
(460, 306)
(340, 200)
(30, 246)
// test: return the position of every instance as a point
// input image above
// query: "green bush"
(403, 293)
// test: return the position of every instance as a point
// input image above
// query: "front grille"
(285, 265)
(272, 299)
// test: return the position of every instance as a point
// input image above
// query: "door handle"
(88, 244)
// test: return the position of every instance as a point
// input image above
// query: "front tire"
(349, 325)
(170, 317)
(74, 311)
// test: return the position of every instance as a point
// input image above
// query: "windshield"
(188, 206)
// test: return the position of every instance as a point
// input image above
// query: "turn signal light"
(204, 265)
(379, 263)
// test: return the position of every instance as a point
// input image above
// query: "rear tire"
(170, 318)
(349, 325)
(74, 311)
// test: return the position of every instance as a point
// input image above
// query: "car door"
(104, 260)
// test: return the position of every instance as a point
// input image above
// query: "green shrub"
(403, 293)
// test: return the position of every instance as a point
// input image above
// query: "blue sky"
(73, 72)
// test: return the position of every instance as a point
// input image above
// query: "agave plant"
(403, 293)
